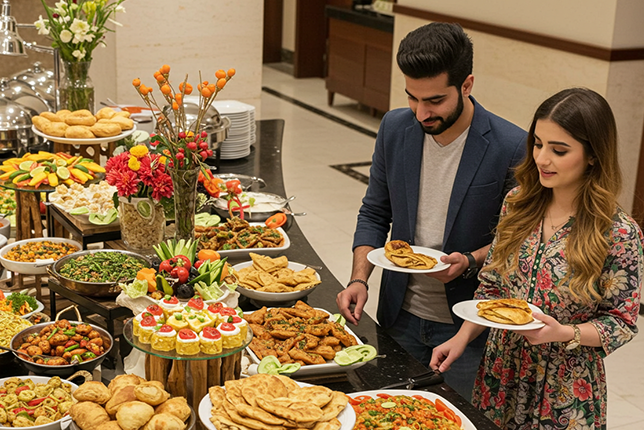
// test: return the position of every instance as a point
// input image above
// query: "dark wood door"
(273, 17)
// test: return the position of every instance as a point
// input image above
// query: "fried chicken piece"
(262, 348)
(283, 334)
(338, 331)
(285, 346)
(330, 340)
(259, 331)
(318, 329)
(257, 317)
(325, 351)
(306, 357)
(302, 313)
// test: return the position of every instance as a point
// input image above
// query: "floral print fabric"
(523, 386)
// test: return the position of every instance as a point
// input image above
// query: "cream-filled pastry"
(187, 342)
(231, 335)
(164, 339)
(210, 341)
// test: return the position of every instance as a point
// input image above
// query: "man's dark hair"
(436, 48)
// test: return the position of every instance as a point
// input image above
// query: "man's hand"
(459, 263)
(355, 294)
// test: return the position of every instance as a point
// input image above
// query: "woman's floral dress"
(521, 386)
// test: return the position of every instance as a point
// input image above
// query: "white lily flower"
(114, 22)
(41, 25)
(80, 54)
(65, 18)
(66, 36)
(79, 27)
(73, 6)
(61, 8)
(120, 9)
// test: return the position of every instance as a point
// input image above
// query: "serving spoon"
(15, 351)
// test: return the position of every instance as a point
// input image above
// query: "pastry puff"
(151, 394)
(79, 132)
(92, 391)
(177, 406)
(164, 422)
(81, 117)
(105, 113)
(134, 415)
(88, 415)
(125, 123)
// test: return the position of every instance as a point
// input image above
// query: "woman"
(565, 245)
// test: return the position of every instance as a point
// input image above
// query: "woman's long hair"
(587, 117)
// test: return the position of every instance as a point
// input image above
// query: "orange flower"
(220, 74)
(221, 83)
(165, 89)
(136, 82)
(231, 73)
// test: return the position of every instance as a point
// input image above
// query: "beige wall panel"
(200, 35)
(512, 78)
(626, 97)
(587, 21)
(629, 31)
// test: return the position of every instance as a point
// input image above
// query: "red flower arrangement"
(138, 173)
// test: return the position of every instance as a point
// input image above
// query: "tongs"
(433, 377)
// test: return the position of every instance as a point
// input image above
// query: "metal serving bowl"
(67, 370)
(93, 289)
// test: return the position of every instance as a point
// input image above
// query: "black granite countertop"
(397, 365)
(367, 18)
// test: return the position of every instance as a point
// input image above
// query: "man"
(438, 177)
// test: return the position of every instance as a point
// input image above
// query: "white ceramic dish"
(39, 267)
(263, 251)
(58, 424)
(268, 297)
(330, 367)
(347, 417)
(264, 202)
(466, 423)
(469, 312)
(94, 141)
(377, 258)
(39, 308)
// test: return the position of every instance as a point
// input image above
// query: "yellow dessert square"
(177, 321)
(199, 321)
(163, 343)
(211, 346)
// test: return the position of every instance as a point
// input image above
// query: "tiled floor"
(313, 143)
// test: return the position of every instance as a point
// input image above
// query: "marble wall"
(512, 78)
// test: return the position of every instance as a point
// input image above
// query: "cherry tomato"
(165, 266)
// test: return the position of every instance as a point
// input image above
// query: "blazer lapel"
(473, 152)
(413, 156)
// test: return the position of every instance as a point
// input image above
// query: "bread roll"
(134, 415)
(92, 391)
(79, 132)
(151, 394)
(88, 415)
(177, 406)
(105, 113)
(122, 395)
(51, 116)
(81, 117)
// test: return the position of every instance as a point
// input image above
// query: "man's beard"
(444, 123)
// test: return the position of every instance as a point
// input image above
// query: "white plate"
(39, 308)
(56, 425)
(466, 423)
(377, 258)
(38, 267)
(265, 296)
(468, 311)
(347, 417)
(264, 202)
(263, 251)
(330, 367)
(94, 141)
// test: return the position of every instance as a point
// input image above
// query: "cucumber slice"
(367, 352)
(289, 368)
(79, 211)
(144, 207)
(388, 405)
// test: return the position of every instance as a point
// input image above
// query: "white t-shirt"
(425, 296)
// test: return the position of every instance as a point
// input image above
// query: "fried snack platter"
(466, 424)
(129, 402)
(469, 311)
(275, 279)
(377, 258)
(235, 233)
(274, 402)
(282, 342)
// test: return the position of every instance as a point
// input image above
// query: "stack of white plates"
(241, 134)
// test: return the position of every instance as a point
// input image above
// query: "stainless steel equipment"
(42, 83)
(15, 127)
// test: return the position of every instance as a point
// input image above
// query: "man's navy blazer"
(484, 176)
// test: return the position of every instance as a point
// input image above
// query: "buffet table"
(397, 365)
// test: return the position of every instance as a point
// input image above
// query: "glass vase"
(142, 223)
(76, 89)
(185, 201)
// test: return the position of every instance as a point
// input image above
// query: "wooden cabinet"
(359, 63)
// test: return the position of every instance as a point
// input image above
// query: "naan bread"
(401, 254)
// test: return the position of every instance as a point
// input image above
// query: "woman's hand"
(551, 332)
(446, 353)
